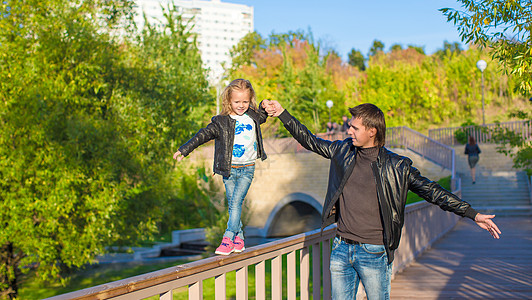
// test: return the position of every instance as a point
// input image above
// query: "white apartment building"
(219, 26)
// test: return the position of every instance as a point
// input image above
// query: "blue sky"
(346, 24)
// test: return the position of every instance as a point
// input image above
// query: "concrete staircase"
(499, 189)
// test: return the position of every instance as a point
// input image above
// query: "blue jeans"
(351, 264)
(236, 188)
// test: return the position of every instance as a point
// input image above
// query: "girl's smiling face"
(239, 102)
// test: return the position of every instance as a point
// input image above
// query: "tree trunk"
(10, 271)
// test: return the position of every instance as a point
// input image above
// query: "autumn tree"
(414, 89)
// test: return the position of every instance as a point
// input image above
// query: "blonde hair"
(237, 85)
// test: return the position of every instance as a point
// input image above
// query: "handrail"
(481, 133)
(162, 282)
(423, 145)
(416, 237)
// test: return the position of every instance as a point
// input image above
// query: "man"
(366, 197)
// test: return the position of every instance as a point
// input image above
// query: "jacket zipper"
(384, 212)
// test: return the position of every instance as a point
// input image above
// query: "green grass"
(445, 182)
(32, 288)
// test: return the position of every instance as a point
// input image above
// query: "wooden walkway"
(468, 263)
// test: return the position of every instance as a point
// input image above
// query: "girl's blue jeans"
(236, 188)
(351, 264)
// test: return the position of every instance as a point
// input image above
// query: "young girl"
(238, 143)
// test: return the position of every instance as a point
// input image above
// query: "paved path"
(468, 264)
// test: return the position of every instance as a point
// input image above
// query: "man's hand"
(272, 107)
(485, 222)
(178, 156)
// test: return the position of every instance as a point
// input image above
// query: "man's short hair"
(372, 117)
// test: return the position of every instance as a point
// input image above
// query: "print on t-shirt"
(238, 149)
(241, 127)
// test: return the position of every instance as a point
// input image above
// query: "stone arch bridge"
(288, 190)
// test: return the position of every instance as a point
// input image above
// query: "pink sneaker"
(239, 245)
(226, 247)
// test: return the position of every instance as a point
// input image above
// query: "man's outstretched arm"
(299, 131)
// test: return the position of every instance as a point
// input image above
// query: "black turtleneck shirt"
(359, 217)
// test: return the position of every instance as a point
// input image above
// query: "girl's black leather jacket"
(394, 176)
(222, 130)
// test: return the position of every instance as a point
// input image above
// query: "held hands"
(485, 222)
(178, 156)
(272, 107)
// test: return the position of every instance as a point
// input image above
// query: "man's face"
(362, 137)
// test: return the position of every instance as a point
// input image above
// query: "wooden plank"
(277, 278)
(242, 283)
(260, 281)
(304, 273)
(220, 287)
(316, 272)
(291, 285)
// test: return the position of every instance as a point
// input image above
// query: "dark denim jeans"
(351, 264)
(236, 188)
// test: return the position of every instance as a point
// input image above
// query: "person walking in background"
(238, 143)
(366, 197)
(472, 150)
(345, 124)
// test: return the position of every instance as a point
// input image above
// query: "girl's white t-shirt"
(245, 144)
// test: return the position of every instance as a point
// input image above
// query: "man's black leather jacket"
(222, 130)
(394, 176)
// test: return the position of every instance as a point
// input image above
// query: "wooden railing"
(312, 246)
(481, 133)
(307, 252)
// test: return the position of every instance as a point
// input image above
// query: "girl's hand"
(178, 156)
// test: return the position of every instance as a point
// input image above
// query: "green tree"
(509, 141)
(449, 49)
(376, 47)
(396, 47)
(503, 26)
(242, 53)
(356, 59)
(88, 121)
(418, 49)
